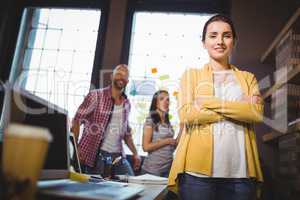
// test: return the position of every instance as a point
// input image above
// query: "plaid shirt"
(95, 113)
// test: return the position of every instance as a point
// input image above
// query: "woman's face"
(163, 102)
(219, 40)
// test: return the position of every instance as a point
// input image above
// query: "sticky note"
(133, 92)
(153, 70)
(164, 77)
(175, 93)
(141, 105)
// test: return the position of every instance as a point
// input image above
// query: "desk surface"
(151, 192)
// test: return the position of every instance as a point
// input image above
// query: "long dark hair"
(222, 18)
(154, 114)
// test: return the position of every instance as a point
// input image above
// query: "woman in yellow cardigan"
(217, 155)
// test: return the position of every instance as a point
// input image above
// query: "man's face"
(120, 77)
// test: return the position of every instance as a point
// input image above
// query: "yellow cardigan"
(195, 149)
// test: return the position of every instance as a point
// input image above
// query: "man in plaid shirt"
(104, 114)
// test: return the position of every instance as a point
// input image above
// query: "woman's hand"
(171, 141)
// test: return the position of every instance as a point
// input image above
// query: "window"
(58, 54)
(163, 45)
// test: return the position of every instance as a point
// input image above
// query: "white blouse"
(229, 159)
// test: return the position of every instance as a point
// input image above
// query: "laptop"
(74, 155)
(55, 177)
(102, 190)
(106, 190)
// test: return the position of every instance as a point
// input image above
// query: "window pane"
(59, 55)
(52, 39)
(29, 79)
(86, 40)
(32, 58)
(82, 59)
(67, 42)
(65, 61)
(79, 83)
(48, 59)
(58, 18)
(45, 81)
(163, 46)
(36, 38)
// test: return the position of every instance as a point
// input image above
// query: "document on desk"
(105, 190)
(148, 179)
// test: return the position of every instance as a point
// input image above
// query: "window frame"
(187, 6)
(16, 63)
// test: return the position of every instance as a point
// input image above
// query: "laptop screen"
(29, 109)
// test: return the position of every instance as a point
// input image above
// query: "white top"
(229, 159)
(112, 137)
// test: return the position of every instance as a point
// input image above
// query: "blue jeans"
(122, 167)
(192, 188)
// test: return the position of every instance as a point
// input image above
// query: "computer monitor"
(28, 109)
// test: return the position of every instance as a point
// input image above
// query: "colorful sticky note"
(153, 70)
(175, 93)
(140, 119)
(164, 77)
(141, 105)
(170, 117)
(133, 92)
